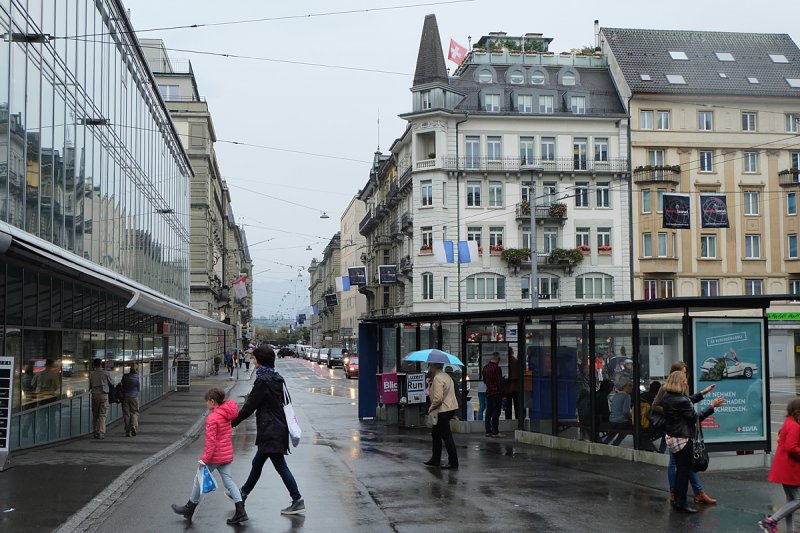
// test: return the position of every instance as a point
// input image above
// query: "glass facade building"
(94, 231)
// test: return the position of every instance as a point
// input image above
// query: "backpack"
(644, 409)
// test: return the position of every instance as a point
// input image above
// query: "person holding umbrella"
(443, 406)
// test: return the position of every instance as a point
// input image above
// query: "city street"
(366, 477)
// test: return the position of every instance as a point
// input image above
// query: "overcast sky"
(280, 195)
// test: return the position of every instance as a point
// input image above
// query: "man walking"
(131, 387)
(99, 384)
(272, 433)
(443, 407)
(493, 378)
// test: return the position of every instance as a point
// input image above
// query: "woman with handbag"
(681, 422)
(786, 469)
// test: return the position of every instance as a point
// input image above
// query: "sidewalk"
(46, 486)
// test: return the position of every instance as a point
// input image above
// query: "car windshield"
(336, 351)
(353, 360)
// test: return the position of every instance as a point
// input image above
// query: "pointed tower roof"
(430, 59)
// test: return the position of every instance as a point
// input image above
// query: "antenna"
(379, 130)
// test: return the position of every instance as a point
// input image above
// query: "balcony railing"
(559, 164)
(507, 57)
(405, 177)
(661, 174)
(789, 177)
(367, 223)
(406, 264)
(425, 164)
(406, 222)
(553, 211)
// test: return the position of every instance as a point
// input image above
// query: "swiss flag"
(457, 52)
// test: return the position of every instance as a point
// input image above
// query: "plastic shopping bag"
(207, 482)
(291, 419)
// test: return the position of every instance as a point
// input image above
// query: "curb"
(88, 517)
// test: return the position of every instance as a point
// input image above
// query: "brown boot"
(704, 498)
(672, 497)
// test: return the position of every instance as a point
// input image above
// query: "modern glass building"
(94, 232)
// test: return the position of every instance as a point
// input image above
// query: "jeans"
(494, 404)
(619, 436)
(481, 404)
(99, 411)
(279, 462)
(792, 504)
(694, 477)
(441, 432)
(227, 480)
(683, 462)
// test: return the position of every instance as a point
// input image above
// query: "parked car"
(315, 355)
(323, 356)
(335, 356)
(351, 366)
(712, 369)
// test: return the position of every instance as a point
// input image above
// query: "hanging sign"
(713, 211)
(676, 211)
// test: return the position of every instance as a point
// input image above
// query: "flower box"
(496, 249)
(604, 250)
(425, 250)
(585, 250)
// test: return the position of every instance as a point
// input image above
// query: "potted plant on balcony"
(584, 249)
(425, 249)
(524, 208)
(604, 249)
(432, 155)
(495, 249)
(557, 210)
(515, 256)
(790, 172)
(573, 255)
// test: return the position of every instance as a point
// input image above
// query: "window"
(791, 203)
(582, 194)
(793, 122)
(473, 194)
(675, 79)
(795, 159)
(650, 289)
(445, 282)
(427, 237)
(495, 194)
(444, 194)
(751, 161)
(516, 78)
(495, 237)
(526, 150)
(546, 103)
(578, 105)
(646, 201)
(725, 56)
(169, 92)
(548, 148)
(706, 161)
(754, 287)
(667, 288)
(752, 246)
(594, 286)
(662, 120)
(485, 76)
(473, 151)
(603, 237)
(751, 202)
(709, 287)
(427, 101)
(753, 80)
(526, 237)
(647, 245)
(794, 287)
(708, 246)
(493, 149)
(660, 200)
(792, 246)
(582, 238)
(662, 245)
(549, 192)
(537, 78)
(426, 190)
(600, 149)
(548, 287)
(645, 120)
(486, 287)
(526, 192)
(568, 78)
(645, 77)
(550, 239)
(655, 158)
(678, 56)
(525, 293)
(778, 58)
(524, 103)
(491, 102)
(474, 234)
(793, 82)
(427, 286)
(748, 122)
(603, 191)
(580, 149)
(706, 119)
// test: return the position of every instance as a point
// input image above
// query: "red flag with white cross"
(457, 53)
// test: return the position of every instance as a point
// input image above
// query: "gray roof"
(430, 59)
(642, 51)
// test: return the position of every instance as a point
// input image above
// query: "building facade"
(94, 226)
(353, 303)
(326, 318)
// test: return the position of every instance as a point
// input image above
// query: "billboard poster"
(357, 275)
(729, 353)
(415, 388)
(676, 211)
(331, 300)
(388, 390)
(387, 274)
(713, 211)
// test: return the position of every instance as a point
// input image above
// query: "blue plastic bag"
(207, 482)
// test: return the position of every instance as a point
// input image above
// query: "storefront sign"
(6, 381)
(415, 388)
(729, 353)
(783, 316)
(388, 391)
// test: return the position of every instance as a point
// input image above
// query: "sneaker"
(769, 525)
(297, 507)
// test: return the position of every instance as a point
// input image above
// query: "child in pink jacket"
(218, 454)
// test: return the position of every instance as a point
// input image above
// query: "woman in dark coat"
(272, 433)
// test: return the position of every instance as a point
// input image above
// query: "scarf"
(266, 373)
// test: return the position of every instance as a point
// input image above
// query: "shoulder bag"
(291, 418)
(699, 453)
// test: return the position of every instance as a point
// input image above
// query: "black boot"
(187, 510)
(239, 516)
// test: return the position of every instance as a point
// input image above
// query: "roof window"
(778, 58)
(678, 56)
(676, 79)
(753, 80)
(645, 77)
(537, 78)
(793, 82)
(723, 75)
(724, 56)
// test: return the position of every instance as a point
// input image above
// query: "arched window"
(486, 287)
(568, 78)
(485, 75)
(538, 77)
(516, 77)
(594, 286)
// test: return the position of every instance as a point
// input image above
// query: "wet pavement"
(364, 476)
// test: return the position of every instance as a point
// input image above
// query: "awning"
(142, 298)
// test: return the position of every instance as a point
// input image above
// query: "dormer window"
(516, 78)
(485, 76)
(427, 100)
(491, 102)
(537, 78)
(678, 56)
(568, 78)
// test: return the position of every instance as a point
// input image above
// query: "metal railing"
(788, 177)
(546, 211)
(666, 174)
(559, 164)
(405, 177)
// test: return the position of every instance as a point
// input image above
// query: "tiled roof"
(430, 59)
(647, 52)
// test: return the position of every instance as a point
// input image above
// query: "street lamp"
(534, 282)
(324, 215)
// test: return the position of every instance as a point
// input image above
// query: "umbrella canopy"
(433, 356)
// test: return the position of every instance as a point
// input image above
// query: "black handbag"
(699, 453)
(657, 420)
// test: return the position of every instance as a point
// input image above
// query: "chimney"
(596, 33)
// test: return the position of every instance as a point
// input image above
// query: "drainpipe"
(458, 210)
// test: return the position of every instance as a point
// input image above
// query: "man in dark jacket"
(493, 377)
(272, 433)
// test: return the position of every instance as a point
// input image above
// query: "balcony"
(789, 177)
(657, 174)
(658, 265)
(425, 164)
(405, 178)
(407, 224)
(406, 264)
(549, 212)
(382, 239)
(392, 197)
(537, 164)
(368, 223)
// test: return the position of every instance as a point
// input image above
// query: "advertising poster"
(713, 211)
(331, 300)
(388, 391)
(676, 211)
(387, 274)
(416, 388)
(729, 353)
(357, 275)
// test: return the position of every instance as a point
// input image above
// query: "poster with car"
(729, 353)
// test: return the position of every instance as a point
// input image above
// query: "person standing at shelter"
(493, 377)
(99, 385)
(443, 407)
(47, 383)
(786, 469)
(272, 432)
(131, 386)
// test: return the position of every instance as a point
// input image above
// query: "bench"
(606, 433)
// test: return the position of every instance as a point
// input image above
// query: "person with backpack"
(272, 432)
(130, 388)
(100, 386)
(786, 470)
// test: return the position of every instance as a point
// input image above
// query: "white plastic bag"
(291, 419)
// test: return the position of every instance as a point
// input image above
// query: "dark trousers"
(683, 462)
(279, 462)
(441, 432)
(494, 404)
